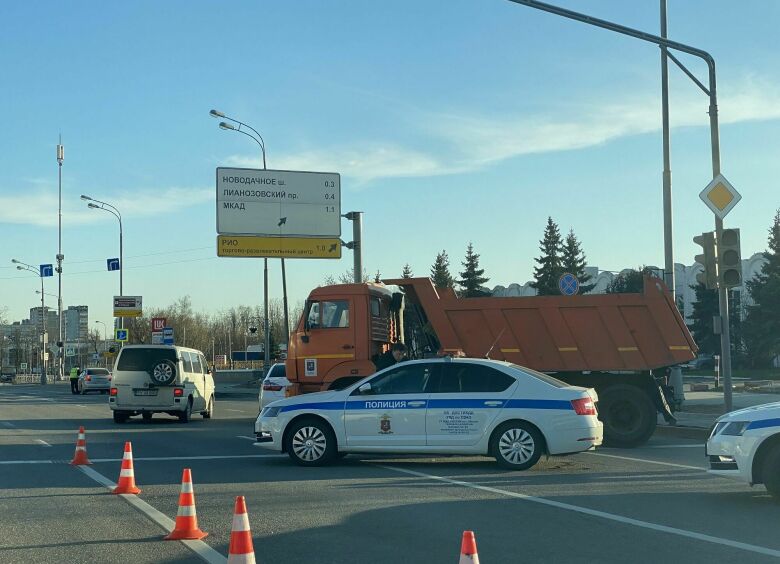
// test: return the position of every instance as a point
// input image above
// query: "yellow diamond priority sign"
(720, 196)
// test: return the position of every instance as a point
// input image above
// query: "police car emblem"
(384, 425)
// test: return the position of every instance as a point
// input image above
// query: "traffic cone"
(241, 550)
(126, 484)
(80, 457)
(468, 549)
(186, 519)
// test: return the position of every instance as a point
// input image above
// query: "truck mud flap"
(659, 399)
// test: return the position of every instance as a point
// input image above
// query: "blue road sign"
(47, 270)
(168, 336)
(568, 284)
(113, 264)
(120, 335)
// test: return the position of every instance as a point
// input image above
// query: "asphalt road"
(651, 504)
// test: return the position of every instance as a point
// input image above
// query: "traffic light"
(730, 258)
(708, 260)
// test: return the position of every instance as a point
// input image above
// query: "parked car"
(274, 385)
(168, 379)
(701, 362)
(437, 406)
(94, 380)
(7, 374)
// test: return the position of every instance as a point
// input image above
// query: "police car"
(745, 445)
(437, 406)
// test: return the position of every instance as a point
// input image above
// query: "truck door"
(464, 402)
(392, 413)
(331, 339)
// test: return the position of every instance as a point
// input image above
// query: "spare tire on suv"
(163, 372)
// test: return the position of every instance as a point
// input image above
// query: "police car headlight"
(735, 428)
(270, 411)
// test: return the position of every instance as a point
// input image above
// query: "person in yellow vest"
(74, 380)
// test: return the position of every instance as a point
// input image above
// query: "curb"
(683, 432)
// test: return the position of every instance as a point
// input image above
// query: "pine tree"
(472, 279)
(762, 326)
(548, 272)
(407, 271)
(573, 261)
(704, 309)
(377, 277)
(440, 271)
(630, 282)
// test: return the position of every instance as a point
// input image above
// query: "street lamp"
(30, 268)
(60, 258)
(105, 206)
(259, 140)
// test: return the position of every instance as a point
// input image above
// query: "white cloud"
(39, 206)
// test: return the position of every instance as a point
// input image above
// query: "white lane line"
(236, 410)
(595, 513)
(199, 547)
(7, 425)
(701, 446)
(150, 459)
(29, 461)
(42, 442)
(245, 437)
(629, 458)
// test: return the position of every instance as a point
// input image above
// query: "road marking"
(701, 446)
(7, 425)
(245, 437)
(30, 461)
(595, 513)
(42, 442)
(199, 547)
(236, 410)
(671, 464)
(151, 459)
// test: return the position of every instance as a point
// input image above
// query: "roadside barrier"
(80, 456)
(186, 518)
(241, 550)
(126, 484)
(468, 549)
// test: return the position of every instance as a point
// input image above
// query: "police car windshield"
(541, 376)
(142, 358)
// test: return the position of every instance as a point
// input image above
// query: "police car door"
(465, 400)
(390, 410)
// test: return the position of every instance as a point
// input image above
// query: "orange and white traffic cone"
(241, 550)
(80, 457)
(468, 549)
(126, 484)
(186, 519)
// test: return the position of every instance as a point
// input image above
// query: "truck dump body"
(605, 332)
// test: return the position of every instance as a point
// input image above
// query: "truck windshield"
(143, 358)
(328, 314)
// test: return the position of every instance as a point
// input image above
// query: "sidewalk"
(702, 408)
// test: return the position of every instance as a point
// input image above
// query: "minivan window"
(185, 356)
(143, 358)
(196, 367)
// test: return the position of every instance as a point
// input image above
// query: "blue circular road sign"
(568, 284)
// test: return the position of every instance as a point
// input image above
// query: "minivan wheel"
(147, 416)
(210, 409)
(186, 415)
(120, 417)
(163, 372)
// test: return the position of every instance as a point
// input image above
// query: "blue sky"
(449, 122)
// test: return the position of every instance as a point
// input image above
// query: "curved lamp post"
(30, 268)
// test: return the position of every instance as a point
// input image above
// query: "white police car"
(745, 445)
(442, 406)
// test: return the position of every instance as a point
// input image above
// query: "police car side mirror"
(365, 388)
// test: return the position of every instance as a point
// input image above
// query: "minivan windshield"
(143, 358)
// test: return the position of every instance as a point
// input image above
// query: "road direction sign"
(168, 336)
(278, 203)
(157, 338)
(47, 270)
(128, 306)
(121, 335)
(720, 196)
(277, 247)
(113, 264)
(568, 284)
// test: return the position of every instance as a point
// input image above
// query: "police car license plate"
(145, 392)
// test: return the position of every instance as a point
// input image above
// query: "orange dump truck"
(619, 344)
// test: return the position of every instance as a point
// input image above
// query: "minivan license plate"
(145, 392)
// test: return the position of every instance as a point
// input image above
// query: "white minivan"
(168, 379)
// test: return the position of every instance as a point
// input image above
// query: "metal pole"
(121, 269)
(267, 346)
(357, 238)
(43, 336)
(286, 312)
(60, 258)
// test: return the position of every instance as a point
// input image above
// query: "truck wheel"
(771, 473)
(119, 417)
(311, 442)
(628, 415)
(147, 416)
(516, 445)
(163, 372)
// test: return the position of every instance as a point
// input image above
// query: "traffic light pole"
(714, 137)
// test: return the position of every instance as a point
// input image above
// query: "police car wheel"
(311, 443)
(516, 445)
(163, 373)
(771, 473)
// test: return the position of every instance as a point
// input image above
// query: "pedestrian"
(74, 379)
(391, 356)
